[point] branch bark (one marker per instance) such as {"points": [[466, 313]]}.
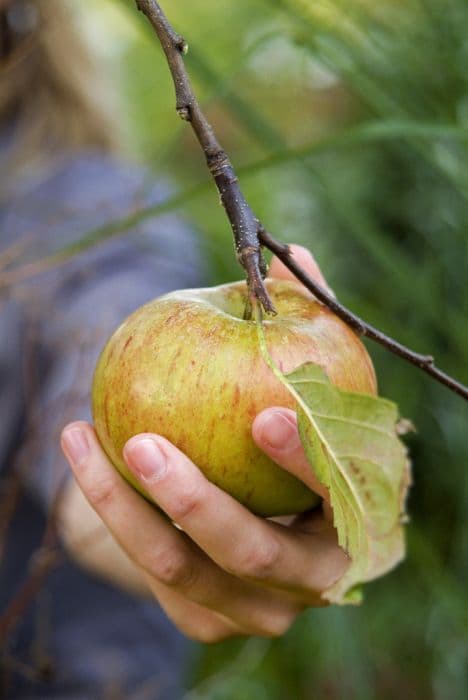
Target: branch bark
{"points": [[249, 233], [424, 362], [243, 221]]}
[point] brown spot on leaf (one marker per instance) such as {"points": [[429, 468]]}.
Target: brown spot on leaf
{"points": [[360, 477]]}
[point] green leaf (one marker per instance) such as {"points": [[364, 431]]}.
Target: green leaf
{"points": [[353, 447]]}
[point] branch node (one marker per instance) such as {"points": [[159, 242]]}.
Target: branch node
{"points": [[218, 164], [184, 113], [245, 253], [182, 46]]}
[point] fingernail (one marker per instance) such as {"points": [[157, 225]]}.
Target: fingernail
{"points": [[146, 459], [278, 432], [75, 444]]}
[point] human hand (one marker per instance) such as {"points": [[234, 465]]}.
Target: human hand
{"points": [[225, 572]]}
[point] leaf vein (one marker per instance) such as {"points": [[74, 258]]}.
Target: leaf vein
{"points": [[362, 424]]}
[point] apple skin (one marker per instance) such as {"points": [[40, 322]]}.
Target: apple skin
{"points": [[188, 367]]}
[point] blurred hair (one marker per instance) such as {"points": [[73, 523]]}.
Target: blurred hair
{"points": [[50, 95]]}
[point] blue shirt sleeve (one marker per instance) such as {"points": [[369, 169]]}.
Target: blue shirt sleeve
{"points": [[71, 310]]}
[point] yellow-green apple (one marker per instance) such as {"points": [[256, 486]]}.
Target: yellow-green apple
{"points": [[188, 366]]}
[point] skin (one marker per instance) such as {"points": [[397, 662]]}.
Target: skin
{"points": [[223, 571]]}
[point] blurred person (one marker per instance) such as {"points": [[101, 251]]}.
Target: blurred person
{"points": [[96, 626]]}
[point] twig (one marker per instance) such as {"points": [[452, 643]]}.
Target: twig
{"points": [[243, 221], [45, 558], [10, 494], [249, 233], [424, 362]]}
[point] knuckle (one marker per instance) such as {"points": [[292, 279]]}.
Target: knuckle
{"points": [[187, 503], [101, 492], [172, 568], [260, 561]]}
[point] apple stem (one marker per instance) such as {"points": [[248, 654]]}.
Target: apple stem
{"points": [[248, 310], [249, 233]]}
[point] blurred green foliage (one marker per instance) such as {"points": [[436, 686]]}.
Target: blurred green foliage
{"points": [[349, 123]]}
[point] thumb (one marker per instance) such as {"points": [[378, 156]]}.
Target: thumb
{"points": [[275, 432]]}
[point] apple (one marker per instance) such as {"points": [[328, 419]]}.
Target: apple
{"points": [[188, 366]]}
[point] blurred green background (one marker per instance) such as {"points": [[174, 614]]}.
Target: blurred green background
{"points": [[348, 122]]}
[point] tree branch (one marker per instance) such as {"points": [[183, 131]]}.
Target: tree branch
{"points": [[243, 221], [249, 233], [424, 362]]}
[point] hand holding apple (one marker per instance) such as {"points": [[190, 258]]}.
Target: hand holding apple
{"points": [[189, 367], [229, 572]]}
